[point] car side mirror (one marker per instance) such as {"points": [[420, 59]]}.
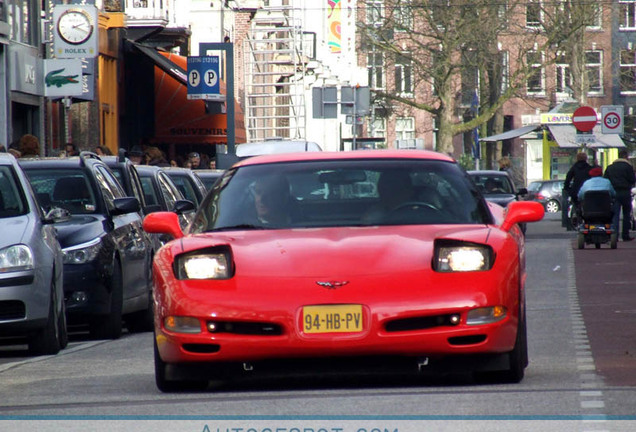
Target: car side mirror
{"points": [[125, 205], [522, 191], [183, 206]]}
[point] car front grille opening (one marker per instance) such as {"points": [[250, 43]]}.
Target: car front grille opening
{"points": [[201, 348], [467, 340], [244, 328], [421, 323], [12, 310]]}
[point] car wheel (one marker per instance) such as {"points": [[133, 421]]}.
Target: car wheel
{"points": [[46, 341], [552, 206], [109, 326], [141, 321], [580, 240], [167, 385]]}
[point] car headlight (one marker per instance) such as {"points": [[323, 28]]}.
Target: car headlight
{"points": [[82, 253], [16, 258], [212, 264], [462, 258]]}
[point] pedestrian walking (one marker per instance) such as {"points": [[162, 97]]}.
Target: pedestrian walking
{"points": [[621, 174], [574, 179]]}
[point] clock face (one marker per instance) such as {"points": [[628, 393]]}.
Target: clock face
{"points": [[74, 26]]}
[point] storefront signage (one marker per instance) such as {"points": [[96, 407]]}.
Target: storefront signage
{"points": [[203, 78], [62, 78], [75, 31], [556, 118]]}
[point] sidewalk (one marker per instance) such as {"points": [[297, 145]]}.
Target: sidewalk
{"points": [[606, 285]]}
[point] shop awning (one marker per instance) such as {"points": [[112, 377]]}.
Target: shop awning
{"points": [[168, 66], [514, 133], [179, 120], [565, 137]]}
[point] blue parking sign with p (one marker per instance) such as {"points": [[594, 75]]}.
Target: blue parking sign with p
{"points": [[203, 77]]}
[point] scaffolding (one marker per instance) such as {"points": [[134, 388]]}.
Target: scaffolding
{"points": [[275, 70]]}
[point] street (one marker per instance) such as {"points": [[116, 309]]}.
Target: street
{"points": [[582, 368]]}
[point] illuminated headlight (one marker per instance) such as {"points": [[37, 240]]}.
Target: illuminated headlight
{"points": [[463, 258], [16, 258], [182, 324], [486, 315], [204, 265], [82, 253]]}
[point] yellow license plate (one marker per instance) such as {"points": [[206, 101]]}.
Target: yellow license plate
{"points": [[332, 319]]}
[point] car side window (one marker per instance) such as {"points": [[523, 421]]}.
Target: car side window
{"points": [[135, 183], [109, 186], [168, 193]]}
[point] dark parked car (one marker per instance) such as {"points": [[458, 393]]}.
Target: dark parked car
{"points": [[209, 176], [496, 186], [548, 192], [107, 254], [188, 183], [127, 175], [31, 275], [161, 193]]}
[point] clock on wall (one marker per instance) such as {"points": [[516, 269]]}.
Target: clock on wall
{"points": [[75, 26]]}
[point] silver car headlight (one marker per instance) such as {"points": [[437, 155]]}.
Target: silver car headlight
{"points": [[462, 257], [16, 258], [210, 264], [82, 253]]}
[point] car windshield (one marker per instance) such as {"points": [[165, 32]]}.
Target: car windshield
{"points": [[11, 199], [331, 193], [65, 188], [492, 184]]}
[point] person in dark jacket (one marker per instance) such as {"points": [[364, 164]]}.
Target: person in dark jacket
{"points": [[576, 176], [621, 174]]}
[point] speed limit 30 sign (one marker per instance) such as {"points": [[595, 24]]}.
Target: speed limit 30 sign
{"points": [[612, 119]]}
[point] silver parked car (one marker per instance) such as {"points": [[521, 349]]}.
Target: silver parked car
{"points": [[31, 263]]}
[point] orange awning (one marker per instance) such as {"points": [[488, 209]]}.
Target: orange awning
{"points": [[182, 121]]}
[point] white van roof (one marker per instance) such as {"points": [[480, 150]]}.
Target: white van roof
{"points": [[274, 147]]}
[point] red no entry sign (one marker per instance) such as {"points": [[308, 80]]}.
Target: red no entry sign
{"points": [[584, 119]]}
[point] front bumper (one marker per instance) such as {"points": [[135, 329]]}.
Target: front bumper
{"points": [[86, 289], [24, 302]]}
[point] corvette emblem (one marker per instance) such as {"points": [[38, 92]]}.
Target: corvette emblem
{"points": [[332, 284]]}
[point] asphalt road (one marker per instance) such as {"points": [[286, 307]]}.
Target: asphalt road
{"points": [[581, 374]]}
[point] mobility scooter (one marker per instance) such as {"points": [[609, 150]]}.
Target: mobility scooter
{"points": [[596, 225]]}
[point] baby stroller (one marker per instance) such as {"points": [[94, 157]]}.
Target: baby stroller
{"points": [[596, 227]]}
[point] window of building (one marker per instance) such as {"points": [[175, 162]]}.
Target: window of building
{"points": [[403, 16], [377, 127], [594, 69], [404, 75], [375, 12], [535, 83], [628, 71], [375, 70], [533, 13], [597, 18], [404, 128], [563, 76], [23, 20], [627, 15], [505, 70]]}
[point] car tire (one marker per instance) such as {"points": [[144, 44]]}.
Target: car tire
{"points": [[109, 326], [580, 238], [46, 341], [141, 321], [165, 385], [552, 206]]}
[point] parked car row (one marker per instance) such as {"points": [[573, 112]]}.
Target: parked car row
{"points": [[73, 248]]}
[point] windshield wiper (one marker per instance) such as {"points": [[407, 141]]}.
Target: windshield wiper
{"points": [[239, 227]]}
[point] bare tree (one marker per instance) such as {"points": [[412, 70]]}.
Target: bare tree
{"points": [[459, 47]]}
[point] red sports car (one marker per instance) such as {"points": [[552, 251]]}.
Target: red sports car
{"points": [[364, 258]]}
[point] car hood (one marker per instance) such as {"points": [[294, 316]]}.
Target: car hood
{"points": [[80, 229], [333, 251], [13, 230]]}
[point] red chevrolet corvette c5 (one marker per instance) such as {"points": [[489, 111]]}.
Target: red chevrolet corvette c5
{"points": [[368, 258]]}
